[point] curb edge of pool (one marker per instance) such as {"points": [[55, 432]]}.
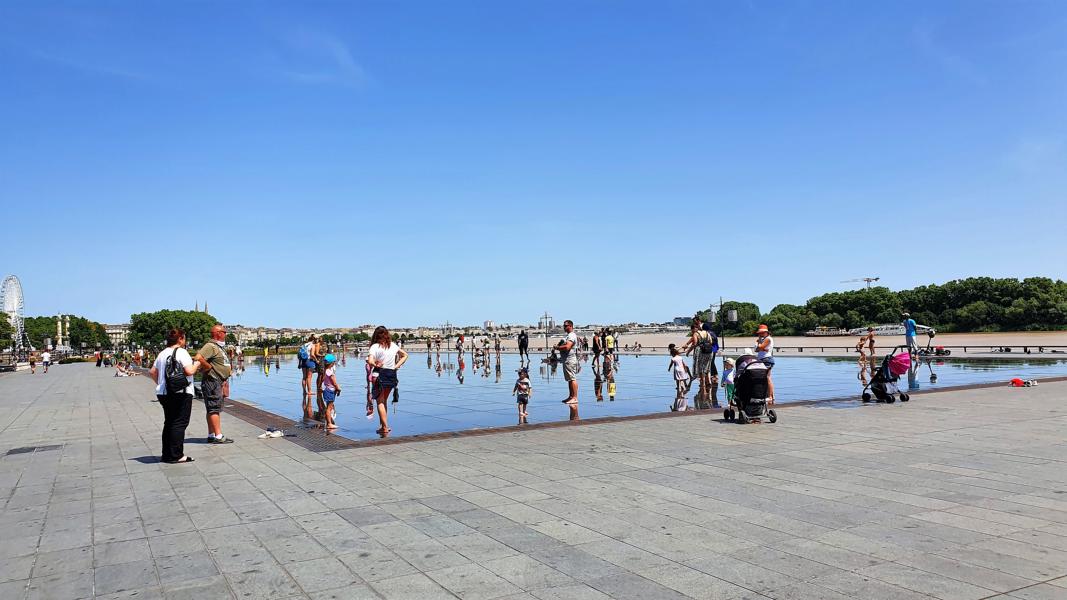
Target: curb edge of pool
{"points": [[317, 440]]}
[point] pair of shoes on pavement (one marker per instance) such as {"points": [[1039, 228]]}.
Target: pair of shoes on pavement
{"points": [[219, 440], [271, 433]]}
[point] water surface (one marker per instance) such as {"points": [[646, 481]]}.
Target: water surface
{"points": [[444, 393]]}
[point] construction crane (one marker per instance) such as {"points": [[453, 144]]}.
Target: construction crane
{"points": [[868, 280]]}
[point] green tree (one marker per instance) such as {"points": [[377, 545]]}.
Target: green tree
{"points": [[7, 331], [39, 329], [231, 338], [90, 333], [93, 334], [150, 329], [746, 312]]}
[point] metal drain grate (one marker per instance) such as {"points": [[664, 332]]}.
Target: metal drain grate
{"points": [[29, 449]]}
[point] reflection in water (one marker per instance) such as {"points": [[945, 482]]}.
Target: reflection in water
{"points": [[866, 370], [913, 376], [432, 403], [930, 368], [574, 412]]}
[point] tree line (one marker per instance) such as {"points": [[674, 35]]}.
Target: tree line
{"points": [[964, 305], [82, 331]]}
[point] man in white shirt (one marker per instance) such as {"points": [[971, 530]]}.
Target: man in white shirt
{"points": [[568, 355], [46, 358]]}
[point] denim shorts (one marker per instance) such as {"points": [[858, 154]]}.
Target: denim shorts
{"points": [[328, 395], [385, 380]]}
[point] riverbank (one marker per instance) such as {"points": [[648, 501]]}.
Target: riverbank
{"points": [[1049, 344]]}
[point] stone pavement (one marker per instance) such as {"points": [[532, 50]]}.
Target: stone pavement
{"points": [[956, 495]]}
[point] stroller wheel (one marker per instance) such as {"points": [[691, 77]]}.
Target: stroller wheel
{"points": [[728, 415], [772, 416], [866, 396], [904, 397], [890, 399]]}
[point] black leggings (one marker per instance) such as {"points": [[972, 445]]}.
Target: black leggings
{"points": [[176, 409]]}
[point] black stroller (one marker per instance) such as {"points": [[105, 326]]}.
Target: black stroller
{"points": [[884, 380], [750, 392]]}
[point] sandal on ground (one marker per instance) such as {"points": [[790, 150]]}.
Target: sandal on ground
{"points": [[184, 459]]}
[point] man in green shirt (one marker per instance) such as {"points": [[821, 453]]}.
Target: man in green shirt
{"points": [[216, 370]]}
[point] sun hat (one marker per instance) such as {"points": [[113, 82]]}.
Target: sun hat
{"points": [[762, 328], [330, 359]]}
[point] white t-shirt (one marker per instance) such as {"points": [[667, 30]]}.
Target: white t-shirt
{"points": [[183, 359], [761, 354], [46, 357], [572, 354], [385, 356], [679, 368]]}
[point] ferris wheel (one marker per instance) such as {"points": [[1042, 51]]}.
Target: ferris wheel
{"points": [[11, 299]]}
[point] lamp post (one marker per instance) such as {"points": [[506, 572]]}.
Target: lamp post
{"points": [[447, 330], [721, 318]]}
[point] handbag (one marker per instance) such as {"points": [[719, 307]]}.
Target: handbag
{"points": [[174, 374]]}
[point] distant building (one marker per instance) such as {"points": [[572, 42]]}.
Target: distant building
{"points": [[681, 320], [487, 325], [546, 322], [118, 334]]}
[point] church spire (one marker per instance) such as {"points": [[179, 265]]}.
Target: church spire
{"points": [[197, 307]]}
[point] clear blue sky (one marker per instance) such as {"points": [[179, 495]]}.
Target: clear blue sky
{"points": [[338, 163]]}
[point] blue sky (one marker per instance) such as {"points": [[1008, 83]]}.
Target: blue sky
{"points": [[339, 163]]}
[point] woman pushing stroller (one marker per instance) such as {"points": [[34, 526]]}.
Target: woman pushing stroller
{"points": [[765, 353]]}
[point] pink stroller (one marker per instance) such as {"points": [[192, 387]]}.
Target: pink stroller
{"points": [[884, 381]]}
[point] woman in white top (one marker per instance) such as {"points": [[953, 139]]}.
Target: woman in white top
{"points": [[765, 352], [177, 404], [385, 358]]}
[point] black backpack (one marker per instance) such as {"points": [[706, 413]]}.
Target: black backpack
{"points": [[708, 344], [174, 375]]}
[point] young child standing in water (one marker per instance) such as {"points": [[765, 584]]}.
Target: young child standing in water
{"points": [[681, 379], [522, 392], [330, 390]]}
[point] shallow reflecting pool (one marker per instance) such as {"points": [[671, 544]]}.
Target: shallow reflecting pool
{"points": [[446, 393]]}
